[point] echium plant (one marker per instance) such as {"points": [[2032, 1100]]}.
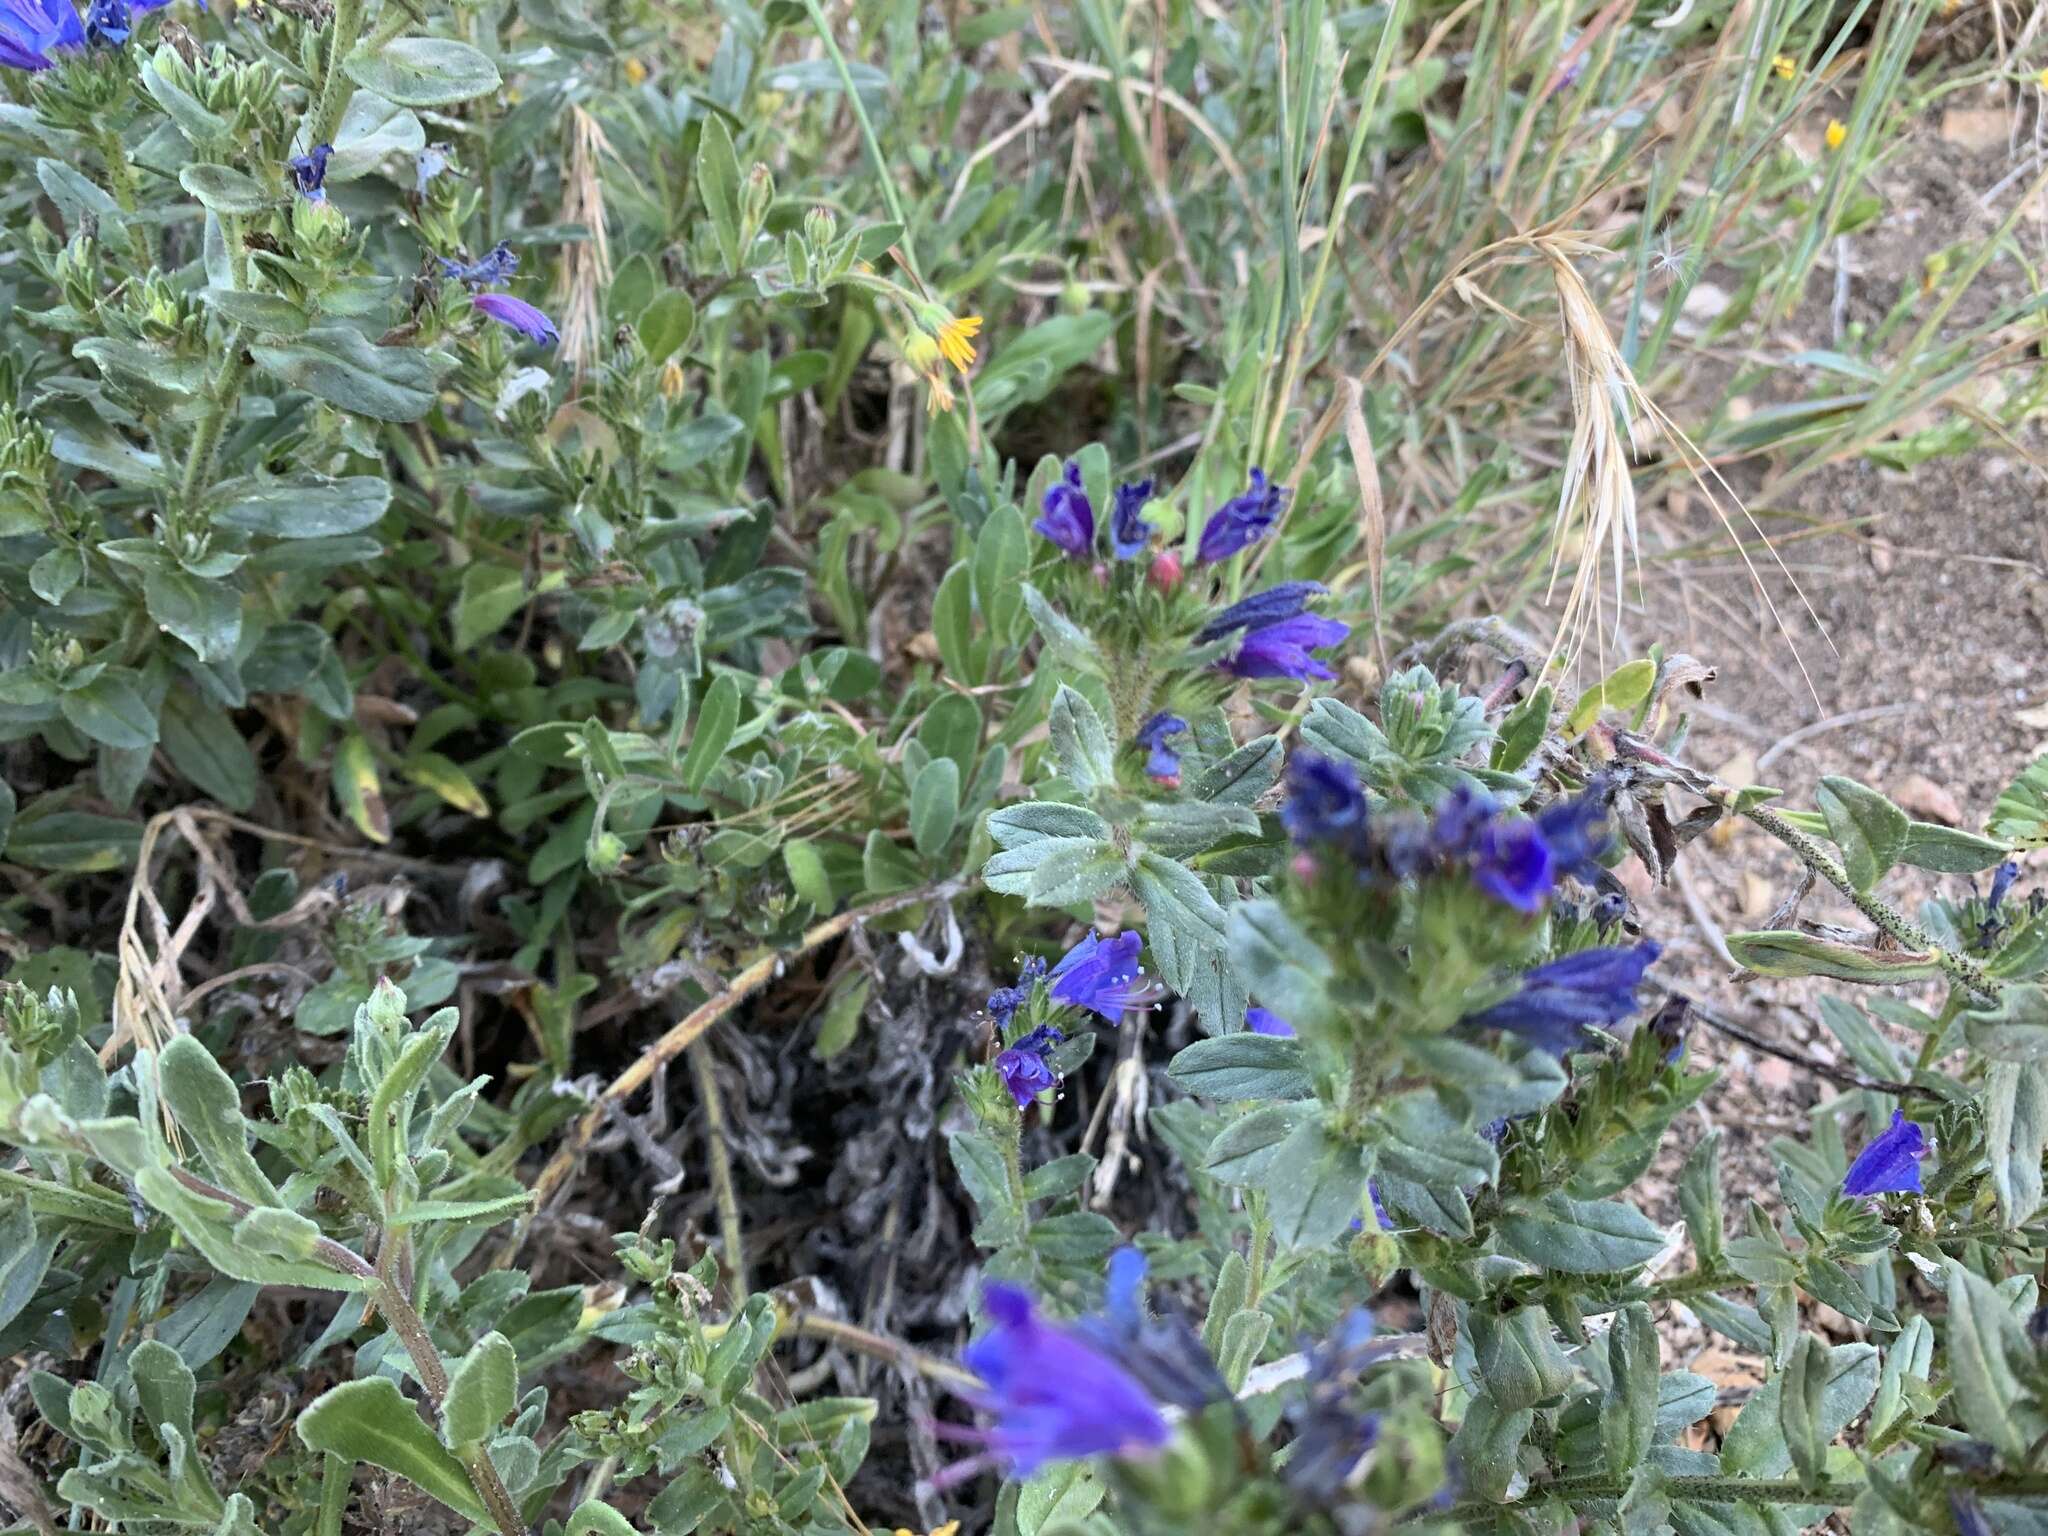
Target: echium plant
{"points": [[1458, 1063]]}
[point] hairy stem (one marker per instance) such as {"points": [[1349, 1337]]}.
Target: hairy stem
{"points": [[227, 388], [699, 1057], [867, 130], [342, 33]]}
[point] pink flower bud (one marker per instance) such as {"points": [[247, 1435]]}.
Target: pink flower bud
{"points": [[1164, 572]]}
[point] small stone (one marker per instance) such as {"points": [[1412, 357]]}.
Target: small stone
{"points": [[1881, 557], [1977, 127], [1920, 797]]}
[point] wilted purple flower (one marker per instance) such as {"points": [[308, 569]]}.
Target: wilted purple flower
{"points": [[1330, 1436], [497, 265], [1262, 1021], [1054, 1395], [1164, 1354], [309, 172], [1162, 762], [108, 23], [1325, 803], [1267, 607], [1282, 649], [1004, 1002], [1104, 977], [1244, 519], [1128, 532], [1023, 1067], [1069, 519], [1891, 1163], [1557, 1001], [31, 30], [519, 315]]}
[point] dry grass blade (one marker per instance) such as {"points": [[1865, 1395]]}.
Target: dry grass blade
{"points": [[586, 266], [1372, 511]]}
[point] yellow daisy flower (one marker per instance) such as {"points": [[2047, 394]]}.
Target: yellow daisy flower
{"points": [[956, 340], [1836, 133], [923, 354], [1784, 66]]}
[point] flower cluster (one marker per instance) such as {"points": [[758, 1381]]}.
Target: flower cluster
{"points": [[1162, 762], [515, 314], [1276, 633], [1099, 976], [1556, 1003], [32, 32], [1520, 860]]}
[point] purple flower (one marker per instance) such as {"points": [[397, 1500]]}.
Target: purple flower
{"points": [[1282, 649], [1023, 1067], [2002, 879], [1557, 1001], [519, 315], [1576, 831], [1968, 1513], [309, 172], [1670, 1024], [30, 30], [1891, 1163], [1164, 1355], [1330, 1436], [1513, 864], [1261, 608], [1004, 1002], [1069, 520], [1128, 532], [1324, 801], [497, 266], [1104, 977], [108, 23], [1262, 1021], [1379, 1209], [1244, 519], [1054, 1395], [1163, 762], [1460, 818]]}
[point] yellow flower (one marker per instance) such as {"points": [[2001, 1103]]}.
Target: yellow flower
{"points": [[1836, 133], [950, 1528], [956, 340], [2042, 79], [1784, 66], [636, 73], [672, 380]]}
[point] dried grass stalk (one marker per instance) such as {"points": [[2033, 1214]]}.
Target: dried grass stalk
{"points": [[586, 270]]}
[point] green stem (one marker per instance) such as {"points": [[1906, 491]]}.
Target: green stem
{"points": [[341, 41], [1888, 919], [1262, 1232], [226, 389], [867, 131], [336, 1475], [730, 1231], [121, 174]]}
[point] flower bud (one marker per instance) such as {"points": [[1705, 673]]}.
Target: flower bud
{"points": [[921, 352], [820, 229], [671, 380], [1164, 572]]}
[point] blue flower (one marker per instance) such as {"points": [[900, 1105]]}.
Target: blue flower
{"points": [[2002, 879], [1576, 831], [1128, 532], [1069, 519], [1282, 649], [1330, 1436], [1162, 762], [426, 165], [108, 23], [1261, 1021], [1559, 1000], [1105, 977], [1261, 608], [1244, 519], [1164, 1354], [1325, 803], [1004, 1002], [31, 30], [1023, 1067], [1379, 1209], [1053, 1393], [309, 172], [519, 315], [1891, 1163], [497, 266], [1460, 817], [1670, 1024], [1512, 863]]}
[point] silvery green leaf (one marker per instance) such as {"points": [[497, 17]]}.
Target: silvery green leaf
{"points": [[1018, 826], [1422, 1141], [1080, 743], [1279, 962], [1628, 1410], [1067, 873], [1949, 850], [2015, 1099], [1790, 953], [2015, 1029], [1245, 1150], [303, 506], [1315, 1186], [1488, 1445], [1243, 776], [1985, 1349], [372, 131], [424, 72], [223, 189], [483, 1388], [1518, 1356], [1800, 1391], [370, 1421], [342, 367], [1014, 871], [1580, 1237], [1868, 828], [1242, 1065], [1180, 829], [1493, 1088], [1755, 1446], [1065, 643], [270, 314]]}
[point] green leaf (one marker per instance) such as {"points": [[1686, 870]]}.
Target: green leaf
{"points": [[1929, 845], [2015, 1099], [1488, 1445], [1985, 1345], [1242, 1066], [1756, 1446], [206, 615], [807, 874], [2020, 816], [212, 1227], [592, 1518], [342, 367], [270, 313], [1314, 1186], [979, 1163], [74, 841], [1035, 821], [208, 1108], [1800, 1408], [1868, 828], [1002, 554], [718, 183], [390, 1113], [1580, 1237], [226, 190], [1066, 644], [1518, 1356], [1066, 873], [372, 131], [1422, 1141], [111, 711], [482, 1391], [1180, 829], [1176, 900], [717, 717], [1244, 1152], [1075, 1237], [488, 596], [424, 72], [2015, 1028], [369, 1421], [667, 324], [307, 506], [1622, 689], [1784, 952], [164, 1386], [24, 1259], [1080, 743], [934, 806]]}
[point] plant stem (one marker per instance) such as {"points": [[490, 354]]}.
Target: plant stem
{"points": [[699, 1056], [867, 131], [122, 175], [341, 41], [336, 1475], [227, 386], [1262, 1233]]}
